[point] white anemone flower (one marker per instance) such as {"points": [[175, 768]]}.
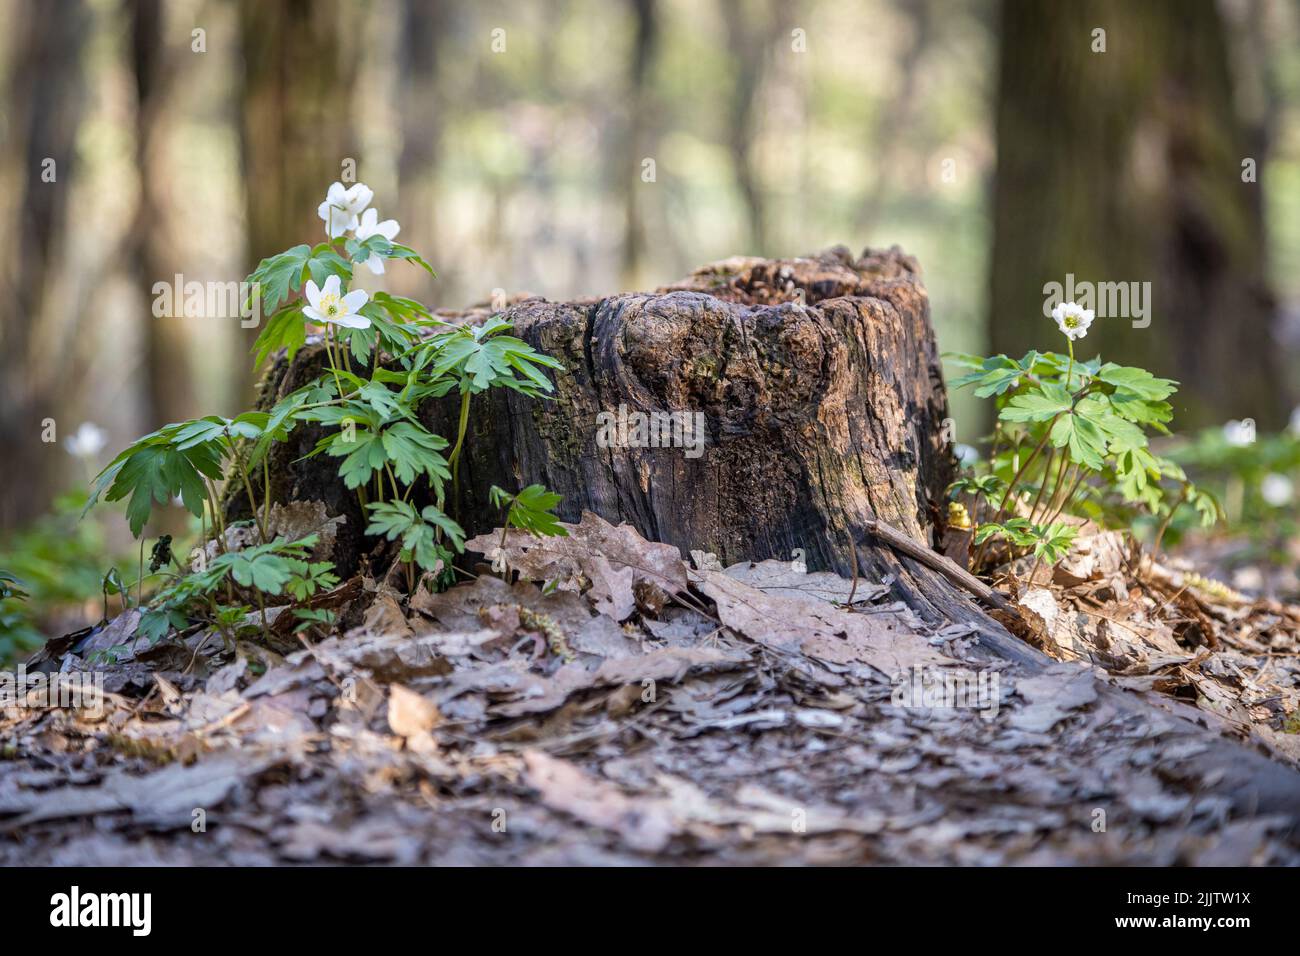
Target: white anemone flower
{"points": [[1072, 319], [343, 206], [329, 306], [87, 441], [1239, 434], [1276, 489], [370, 227]]}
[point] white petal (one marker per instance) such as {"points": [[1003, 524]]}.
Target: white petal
{"points": [[375, 264], [337, 194], [368, 219], [355, 299], [353, 322], [313, 292], [388, 229], [359, 197], [331, 285], [312, 314]]}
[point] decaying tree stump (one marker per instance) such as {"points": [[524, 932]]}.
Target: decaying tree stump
{"points": [[819, 385]]}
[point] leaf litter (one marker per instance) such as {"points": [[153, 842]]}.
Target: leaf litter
{"points": [[612, 703]]}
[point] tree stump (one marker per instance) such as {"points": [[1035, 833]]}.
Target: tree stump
{"points": [[822, 399]]}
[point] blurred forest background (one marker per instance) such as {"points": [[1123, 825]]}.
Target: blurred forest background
{"points": [[990, 138]]}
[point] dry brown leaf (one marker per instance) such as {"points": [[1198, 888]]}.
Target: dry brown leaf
{"points": [[646, 824], [783, 579], [610, 559], [807, 625], [411, 714]]}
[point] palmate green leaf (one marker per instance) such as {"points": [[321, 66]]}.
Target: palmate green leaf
{"points": [[530, 510], [287, 330], [1136, 470], [994, 376], [1205, 505], [362, 458], [265, 567], [156, 473], [399, 519], [999, 374], [1037, 405], [394, 326], [985, 485], [454, 532], [1141, 411], [965, 360], [400, 251], [480, 357], [413, 450], [1086, 442], [1052, 542], [1137, 381], [324, 262], [308, 577], [1018, 531], [279, 275]]}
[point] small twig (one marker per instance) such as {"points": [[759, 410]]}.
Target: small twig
{"points": [[940, 563]]}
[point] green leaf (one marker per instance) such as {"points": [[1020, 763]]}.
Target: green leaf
{"points": [[278, 275], [1137, 381], [1038, 405], [530, 510]]}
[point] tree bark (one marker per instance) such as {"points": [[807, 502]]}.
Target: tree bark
{"points": [[821, 391]]}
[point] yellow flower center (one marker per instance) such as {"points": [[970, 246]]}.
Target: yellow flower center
{"points": [[330, 305], [1071, 321]]}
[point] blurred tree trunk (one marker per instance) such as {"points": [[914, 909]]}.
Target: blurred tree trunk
{"points": [[300, 59], [637, 144], [45, 96], [169, 396], [1126, 166], [752, 29], [424, 22]]}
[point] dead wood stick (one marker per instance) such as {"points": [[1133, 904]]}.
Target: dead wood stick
{"points": [[938, 562]]}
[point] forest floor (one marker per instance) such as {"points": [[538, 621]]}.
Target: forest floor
{"points": [[654, 711]]}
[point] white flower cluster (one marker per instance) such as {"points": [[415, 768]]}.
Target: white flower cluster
{"points": [[347, 210]]}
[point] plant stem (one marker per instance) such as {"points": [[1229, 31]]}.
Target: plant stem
{"points": [[454, 458], [266, 489], [1038, 560], [1012, 487], [1060, 476], [1069, 496], [218, 523], [1164, 525], [242, 467], [1042, 485], [329, 352]]}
